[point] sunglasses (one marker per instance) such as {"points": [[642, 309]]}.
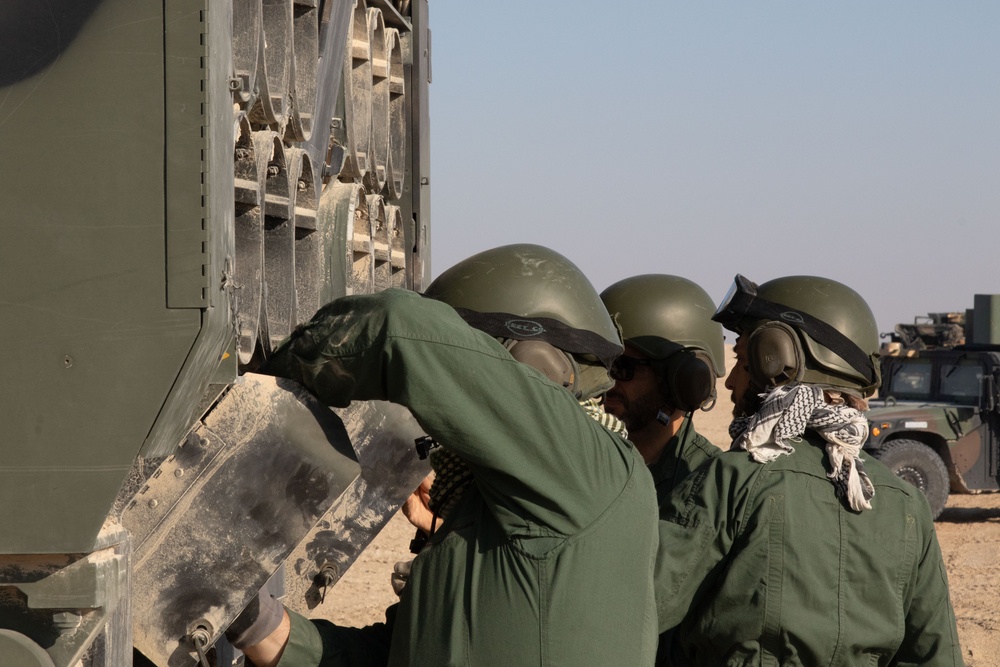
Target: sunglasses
{"points": [[623, 368]]}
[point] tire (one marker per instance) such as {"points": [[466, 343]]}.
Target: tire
{"points": [[919, 465]]}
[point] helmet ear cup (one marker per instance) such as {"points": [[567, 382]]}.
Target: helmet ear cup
{"points": [[774, 355], [689, 380], [552, 362]]}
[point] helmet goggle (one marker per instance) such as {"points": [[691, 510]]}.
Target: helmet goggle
{"points": [[736, 306], [742, 306]]}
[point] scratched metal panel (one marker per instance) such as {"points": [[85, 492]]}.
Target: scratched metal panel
{"points": [[221, 514], [383, 435]]}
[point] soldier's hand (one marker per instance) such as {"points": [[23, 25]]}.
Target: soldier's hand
{"points": [[255, 623], [401, 575], [417, 507]]}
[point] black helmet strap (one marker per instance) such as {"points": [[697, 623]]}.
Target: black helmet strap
{"points": [[820, 331], [547, 329]]}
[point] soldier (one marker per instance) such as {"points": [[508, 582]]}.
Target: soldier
{"points": [[794, 547], [551, 540], [673, 356]]}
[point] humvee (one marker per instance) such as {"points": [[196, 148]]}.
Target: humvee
{"points": [[937, 421]]}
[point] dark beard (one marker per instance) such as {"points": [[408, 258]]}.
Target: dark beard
{"points": [[748, 404], [639, 414]]}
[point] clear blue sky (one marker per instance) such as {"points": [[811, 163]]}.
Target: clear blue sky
{"points": [[858, 140]]}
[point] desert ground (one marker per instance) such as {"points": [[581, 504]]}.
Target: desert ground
{"points": [[968, 530]]}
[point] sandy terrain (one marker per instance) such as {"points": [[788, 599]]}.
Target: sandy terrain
{"points": [[968, 529]]}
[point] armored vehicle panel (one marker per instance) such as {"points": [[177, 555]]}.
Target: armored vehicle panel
{"points": [[184, 182]]}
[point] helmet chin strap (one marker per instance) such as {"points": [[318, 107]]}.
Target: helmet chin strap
{"points": [[662, 417]]}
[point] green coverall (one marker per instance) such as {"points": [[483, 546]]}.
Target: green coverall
{"points": [[687, 451], [548, 558], [764, 565], [684, 453]]}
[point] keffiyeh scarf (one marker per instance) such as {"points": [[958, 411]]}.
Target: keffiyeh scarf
{"points": [[452, 475], [787, 412]]}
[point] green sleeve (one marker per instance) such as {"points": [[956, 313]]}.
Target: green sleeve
{"points": [[930, 636], [319, 643], [697, 528], [541, 464]]}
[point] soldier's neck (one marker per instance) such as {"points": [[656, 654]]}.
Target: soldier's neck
{"points": [[652, 439]]}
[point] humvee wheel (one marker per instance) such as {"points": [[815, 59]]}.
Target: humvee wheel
{"points": [[919, 465]]}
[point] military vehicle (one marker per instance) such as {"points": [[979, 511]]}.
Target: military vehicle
{"points": [[183, 181], [929, 332], [937, 423]]}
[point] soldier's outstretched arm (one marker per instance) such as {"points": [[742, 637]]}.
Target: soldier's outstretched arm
{"points": [[530, 445]]}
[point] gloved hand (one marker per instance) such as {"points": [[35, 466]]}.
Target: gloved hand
{"points": [[400, 575], [260, 618]]}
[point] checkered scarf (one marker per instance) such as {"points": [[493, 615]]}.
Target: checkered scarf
{"points": [[452, 475], [787, 412]]}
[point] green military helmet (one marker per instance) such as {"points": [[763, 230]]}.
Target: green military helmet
{"points": [[658, 314], [837, 338], [531, 294]]}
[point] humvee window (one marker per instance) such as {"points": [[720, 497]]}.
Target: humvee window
{"points": [[960, 383], [910, 381]]}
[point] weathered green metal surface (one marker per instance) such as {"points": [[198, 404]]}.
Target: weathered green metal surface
{"points": [[82, 264], [986, 321], [199, 145], [120, 122]]}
